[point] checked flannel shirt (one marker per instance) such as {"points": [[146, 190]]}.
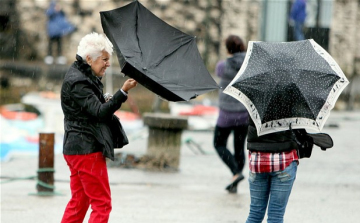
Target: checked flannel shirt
{"points": [[264, 162]]}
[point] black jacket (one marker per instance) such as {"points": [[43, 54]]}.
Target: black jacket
{"points": [[273, 142], [90, 124]]}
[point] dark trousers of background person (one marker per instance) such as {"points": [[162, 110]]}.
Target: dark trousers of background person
{"points": [[235, 161], [55, 40]]}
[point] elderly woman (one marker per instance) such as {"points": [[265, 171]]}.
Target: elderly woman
{"points": [[92, 131]]}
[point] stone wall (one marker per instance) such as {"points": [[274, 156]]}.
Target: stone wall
{"points": [[345, 37], [209, 20], [241, 17]]}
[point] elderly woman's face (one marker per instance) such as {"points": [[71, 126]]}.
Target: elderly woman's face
{"points": [[99, 65]]}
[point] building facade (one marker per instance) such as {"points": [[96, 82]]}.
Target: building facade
{"points": [[332, 23]]}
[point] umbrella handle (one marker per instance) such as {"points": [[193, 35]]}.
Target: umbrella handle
{"points": [[305, 143]]}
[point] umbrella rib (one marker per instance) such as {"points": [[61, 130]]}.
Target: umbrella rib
{"points": [[319, 72], [137, 35], [302, 90], [202, 87], [305, 99], [262, 49], [269, 92], [173, 51], [272, 91]]}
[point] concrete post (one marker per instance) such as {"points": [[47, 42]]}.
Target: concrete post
{"points": [[164, 140]]}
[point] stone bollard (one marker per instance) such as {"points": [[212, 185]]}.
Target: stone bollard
{"points": [[164, 141]]}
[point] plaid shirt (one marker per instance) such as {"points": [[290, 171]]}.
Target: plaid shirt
{"points": [[263, 162]]}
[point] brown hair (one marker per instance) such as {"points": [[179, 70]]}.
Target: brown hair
{"points": [[234, 44]]}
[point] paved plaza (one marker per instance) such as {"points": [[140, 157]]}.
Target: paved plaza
{"points": [[327, 188]]}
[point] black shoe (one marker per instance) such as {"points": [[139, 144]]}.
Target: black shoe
{"points": [[232, 188]]}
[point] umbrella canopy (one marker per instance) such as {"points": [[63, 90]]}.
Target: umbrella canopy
{"points": [[287, 83], [157, 55]]}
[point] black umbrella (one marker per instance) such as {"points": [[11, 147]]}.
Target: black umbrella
{"points": [[157, 55], [289, 82]]}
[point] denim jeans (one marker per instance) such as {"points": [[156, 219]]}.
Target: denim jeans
{"points": [[270, 190]]}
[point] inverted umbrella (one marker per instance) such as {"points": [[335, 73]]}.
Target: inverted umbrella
{"points": [[157, 55], [287, 83]]}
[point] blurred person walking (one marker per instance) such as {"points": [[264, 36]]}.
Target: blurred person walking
{"points": [[233, 116], [57, 27], [92, 131], [298, 16]]}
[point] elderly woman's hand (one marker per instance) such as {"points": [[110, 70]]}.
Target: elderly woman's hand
{"points": [[129, 84]]}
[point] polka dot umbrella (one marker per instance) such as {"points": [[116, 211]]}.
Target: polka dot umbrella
{"points": [[283, 83]]}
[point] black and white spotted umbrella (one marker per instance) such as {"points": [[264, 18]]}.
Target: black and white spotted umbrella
{"points": [[288, 82]]}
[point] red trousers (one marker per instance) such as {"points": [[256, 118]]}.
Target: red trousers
{"points": [[89, 184]]}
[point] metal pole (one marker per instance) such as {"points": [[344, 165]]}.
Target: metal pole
{"points": [[109, 79], [45, 184], [318, 11]]}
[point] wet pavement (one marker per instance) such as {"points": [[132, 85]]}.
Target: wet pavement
{"points": [[327, 188]]}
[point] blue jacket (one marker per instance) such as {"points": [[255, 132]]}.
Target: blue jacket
{"points": [[57, 25], [298, 11]]}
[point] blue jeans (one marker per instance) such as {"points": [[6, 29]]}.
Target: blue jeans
{"points": [[270, 190]]}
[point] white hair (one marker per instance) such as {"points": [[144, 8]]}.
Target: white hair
{"points": [[93, 44]]}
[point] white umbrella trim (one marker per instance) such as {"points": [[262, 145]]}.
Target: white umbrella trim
{"points": [[337, 88], [297, 122]]}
